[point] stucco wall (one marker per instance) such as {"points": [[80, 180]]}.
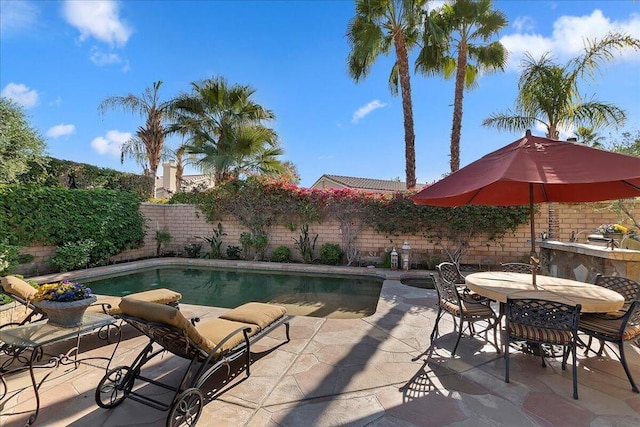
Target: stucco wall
{"points": [[187, 224]]}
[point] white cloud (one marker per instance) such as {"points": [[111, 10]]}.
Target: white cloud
{"points": [[564, 132], [60, 130], [111, 143], [523, 23], [98, 19], [364, 111], [17, 16], [569, 36], [101, 58], [20, 94]]}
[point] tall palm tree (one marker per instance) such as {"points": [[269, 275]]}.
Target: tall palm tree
{"points": [[467, 51], [377, 27], [548, 93], [224, 129], [147, 146]]}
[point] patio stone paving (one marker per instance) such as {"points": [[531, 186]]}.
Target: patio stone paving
{"points": [[351, 372]]}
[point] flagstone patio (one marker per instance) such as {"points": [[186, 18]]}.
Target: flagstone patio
{"points": [[352, 372]]}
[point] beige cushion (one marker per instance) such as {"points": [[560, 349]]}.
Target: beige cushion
{"points": [[107, 300], [161, 313], [215, 330], [18, 287], [256, 313], [159, 296]]}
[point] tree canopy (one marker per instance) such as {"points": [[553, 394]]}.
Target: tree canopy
{"points": [[20, 143]]}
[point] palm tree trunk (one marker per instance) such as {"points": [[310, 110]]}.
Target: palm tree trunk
{"points": [[402, 57], [456, 126]]}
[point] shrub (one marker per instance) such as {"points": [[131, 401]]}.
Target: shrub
{"points": [[9, 257], [215, 242], [281, 254], [331, 254], [193, 250], [305, 245], [162, 238], [233, 252], [73, 255]]}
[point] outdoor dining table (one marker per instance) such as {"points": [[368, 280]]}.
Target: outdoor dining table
{"points": [[498, 285]]}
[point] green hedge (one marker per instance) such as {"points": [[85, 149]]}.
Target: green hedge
{"points": [[31, 215]]}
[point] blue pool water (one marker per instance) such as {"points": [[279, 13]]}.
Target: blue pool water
{"points": [[314, 295]]}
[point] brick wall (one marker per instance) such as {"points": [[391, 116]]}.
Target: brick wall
{"points": [[187, 224]]}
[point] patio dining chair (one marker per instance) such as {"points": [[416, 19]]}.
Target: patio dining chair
{"points": [[628, 288], [543, 322], [463, 309], [616, 328]]}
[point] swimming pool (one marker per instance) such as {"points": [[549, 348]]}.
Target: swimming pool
{"points": [[306, 294]]}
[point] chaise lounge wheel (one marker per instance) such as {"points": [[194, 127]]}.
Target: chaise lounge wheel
{"points": [[114, 387], [186, 409]]}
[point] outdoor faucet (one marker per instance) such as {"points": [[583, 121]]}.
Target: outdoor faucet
{"points": [[574, 235]]}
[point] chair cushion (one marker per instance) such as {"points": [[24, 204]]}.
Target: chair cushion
{"points": [[532, 333], [159, 296], [215, 330], [256, 313], [15, 286], [607, 326], [160, 313], [106, 299]]}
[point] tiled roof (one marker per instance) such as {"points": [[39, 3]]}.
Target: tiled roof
{"points": [[365, 183]]}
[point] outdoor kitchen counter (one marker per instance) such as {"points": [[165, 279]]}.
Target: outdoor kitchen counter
{"points": [[579, 261]]}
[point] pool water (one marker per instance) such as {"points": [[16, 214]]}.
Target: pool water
{"points": [[315, 295]]}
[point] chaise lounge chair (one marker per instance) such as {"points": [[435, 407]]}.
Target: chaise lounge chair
{"points": [[208, 345]]}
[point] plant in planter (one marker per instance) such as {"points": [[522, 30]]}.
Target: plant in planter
{"points": [[64, 302]]}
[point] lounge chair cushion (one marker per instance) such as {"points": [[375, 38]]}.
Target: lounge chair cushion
{"points": [[256, 313], [215, 330], [206, 336], [18, 287], [159, 296]]}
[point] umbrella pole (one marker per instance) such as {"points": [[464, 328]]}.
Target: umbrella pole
{"points": [[533, 256]]}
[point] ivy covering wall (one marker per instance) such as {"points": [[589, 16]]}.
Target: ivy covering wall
{"points": [[31, 215]]}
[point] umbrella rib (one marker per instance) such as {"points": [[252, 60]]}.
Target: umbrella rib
{"points": [[631, 185], [469, 202]]}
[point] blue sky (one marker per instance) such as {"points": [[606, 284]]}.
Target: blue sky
{"points": [[60, 59]]}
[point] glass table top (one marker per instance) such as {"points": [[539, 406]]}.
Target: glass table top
{"points": [[40, 333]]}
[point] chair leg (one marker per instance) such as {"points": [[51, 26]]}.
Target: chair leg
{"points": [[573, 349], [506, 357], [459, 336], [623, 360], [434, 332]]}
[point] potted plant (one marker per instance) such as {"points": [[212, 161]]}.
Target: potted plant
{"points": [[64, 302]]}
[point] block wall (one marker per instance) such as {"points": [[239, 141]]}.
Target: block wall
{"points": [[187, 224]]}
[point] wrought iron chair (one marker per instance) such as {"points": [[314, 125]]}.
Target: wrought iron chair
{"points": [[462, 309], [628, 288], [616, 328], [450, 272], [516, 267], [543, 322]]}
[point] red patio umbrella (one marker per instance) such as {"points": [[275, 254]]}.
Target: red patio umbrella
{"points": [[533, 170]]}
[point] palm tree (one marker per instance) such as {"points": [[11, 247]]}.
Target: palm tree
{"points": [[224, 129], [377, 27], [147, 146], [548, 93], [464, 22]]}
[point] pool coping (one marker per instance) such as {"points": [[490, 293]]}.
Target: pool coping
{"points": [[97, 272]]}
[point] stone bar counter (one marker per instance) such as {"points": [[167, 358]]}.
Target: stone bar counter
{"points": [[582, 261]]}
